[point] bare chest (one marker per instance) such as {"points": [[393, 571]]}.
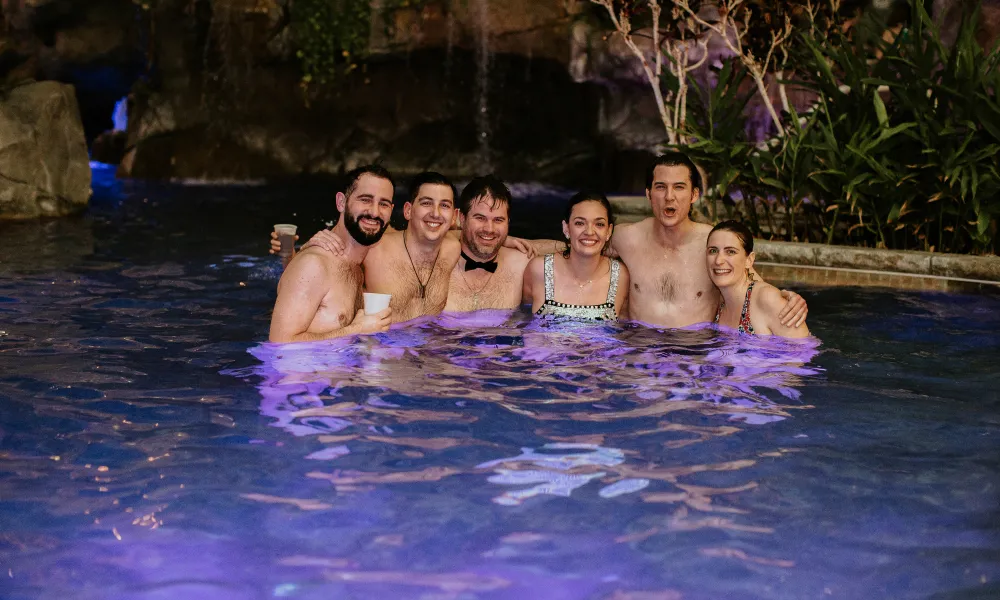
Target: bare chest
{"points": [[341, 303], [477, 290], [417, 290], [670, 288]]}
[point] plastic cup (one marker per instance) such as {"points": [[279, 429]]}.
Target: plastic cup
{"points": [[376, 303], [286, 236]]}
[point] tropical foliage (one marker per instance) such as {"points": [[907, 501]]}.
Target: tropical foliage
{"points": [[901, 149], [332, 36]]}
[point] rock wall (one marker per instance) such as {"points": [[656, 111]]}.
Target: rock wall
{"points": [[408, 112], [44, 166]]}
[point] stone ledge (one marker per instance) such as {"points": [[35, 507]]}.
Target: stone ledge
{"points": [[792, 275], [904, 262]]}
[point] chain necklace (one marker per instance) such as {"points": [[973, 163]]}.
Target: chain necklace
{"points": [[591, 280], [475, 293], [423, 285]]}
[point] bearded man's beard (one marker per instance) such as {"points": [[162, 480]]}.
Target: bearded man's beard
{"points": [[483, 250], [353, 224]]}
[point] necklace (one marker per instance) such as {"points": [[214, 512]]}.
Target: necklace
{"points": [[591, 280], [475, 292], [422, 284]]}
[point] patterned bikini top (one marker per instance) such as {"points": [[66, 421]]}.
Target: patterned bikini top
{"points": [[745, 326], [593, 312]]}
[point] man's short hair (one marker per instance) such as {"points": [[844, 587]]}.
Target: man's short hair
{"points": [[486, 185], [375, 170], [675, 159], [429, 178]]}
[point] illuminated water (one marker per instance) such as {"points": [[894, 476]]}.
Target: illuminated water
{"points": [[151, 447]]}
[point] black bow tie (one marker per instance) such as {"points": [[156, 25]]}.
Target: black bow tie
{"points": [[489, 266]]}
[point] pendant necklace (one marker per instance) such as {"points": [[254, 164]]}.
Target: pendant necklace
{"points": [[589, 281], [423, 285]]}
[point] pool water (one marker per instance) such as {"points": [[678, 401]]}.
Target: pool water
{"points": [[152, 446]]}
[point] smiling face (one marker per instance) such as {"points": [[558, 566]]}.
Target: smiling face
{"points": [[432, 212], [672, 194], [588, 229], [726, 259], [484, 228], [367, 211]]}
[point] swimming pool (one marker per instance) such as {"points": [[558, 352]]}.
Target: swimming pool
{"points": [[152, 447]]}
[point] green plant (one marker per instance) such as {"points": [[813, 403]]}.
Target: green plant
{"points": [[717, 132], [333, 36], [906, 143]]}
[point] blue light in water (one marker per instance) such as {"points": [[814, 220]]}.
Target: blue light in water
{"points": [[120, 116]]}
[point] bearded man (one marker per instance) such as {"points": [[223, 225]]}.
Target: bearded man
{"points": [[319, 294]]}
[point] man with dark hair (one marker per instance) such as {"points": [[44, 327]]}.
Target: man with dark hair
{"points": [[319, 294], [665, 253], [488, 275], [413, 265]]}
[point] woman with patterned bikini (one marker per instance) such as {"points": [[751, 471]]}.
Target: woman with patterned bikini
{"points": [[749, 304], [581, 283]]}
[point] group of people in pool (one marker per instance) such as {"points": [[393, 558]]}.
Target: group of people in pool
{"points": [[665, 271]]}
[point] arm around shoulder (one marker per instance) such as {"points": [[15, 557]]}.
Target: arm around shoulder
{"points": [[771, 302]]}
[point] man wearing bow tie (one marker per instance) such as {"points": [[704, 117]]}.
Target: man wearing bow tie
{"points": [[473, 270], [487, 275]]}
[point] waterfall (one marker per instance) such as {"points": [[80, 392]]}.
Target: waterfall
{"points": [[482, 107], [119, 118]]}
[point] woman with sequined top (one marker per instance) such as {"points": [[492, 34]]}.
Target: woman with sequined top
{"points": [[581, 284], [749, 304]]}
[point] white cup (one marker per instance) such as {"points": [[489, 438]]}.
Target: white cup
{"points": [[376, 303]]}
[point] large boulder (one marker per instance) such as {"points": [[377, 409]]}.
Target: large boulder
{"points": [[44, 166]]}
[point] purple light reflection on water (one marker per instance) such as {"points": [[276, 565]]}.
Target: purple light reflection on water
{"points": [[431, 409], [145, 454]]}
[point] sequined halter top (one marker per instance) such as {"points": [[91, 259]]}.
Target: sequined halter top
{"points": [[593, 312]]}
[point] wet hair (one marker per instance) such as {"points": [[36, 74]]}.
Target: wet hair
{"points": [[486, 185], [375, 170], [429, 178], [742, 232], [675, 159], [588, 196]]}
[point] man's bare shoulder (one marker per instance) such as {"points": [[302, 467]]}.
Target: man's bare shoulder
{"points": [[390, 244], [451, 248], [513, 259], [701, 231], [315, 259], [632, 233]]}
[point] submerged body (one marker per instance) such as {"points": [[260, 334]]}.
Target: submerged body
{"points": [[749, 305], [419, 285], [670, 286], [583, 308]]}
